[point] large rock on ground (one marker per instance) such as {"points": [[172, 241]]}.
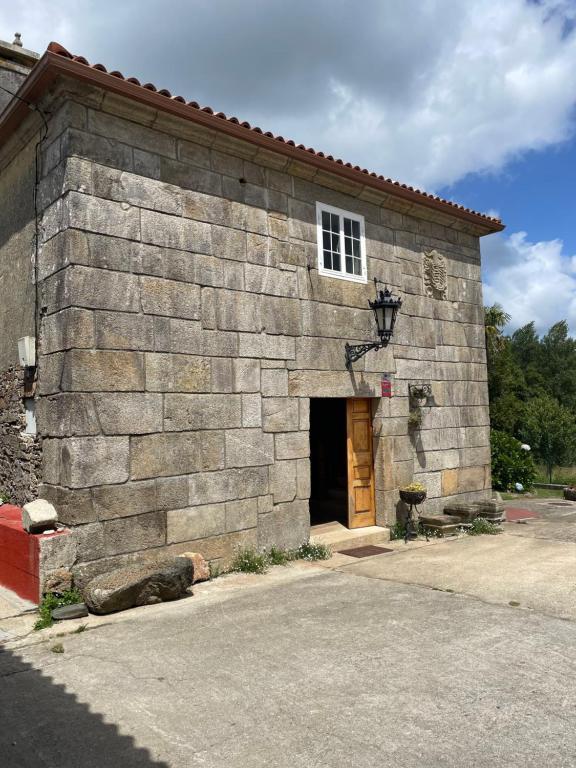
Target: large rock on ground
{"points": [[201, 567], [139, 585]]}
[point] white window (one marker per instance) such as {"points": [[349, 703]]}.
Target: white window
{"points": [[341, 243]]}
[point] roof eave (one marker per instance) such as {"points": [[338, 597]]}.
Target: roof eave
{"points": [[52, 65]]}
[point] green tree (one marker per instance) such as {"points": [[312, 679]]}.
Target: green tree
{"points": [[510, 462], [506, 383], [558, 364], [550, 429]]}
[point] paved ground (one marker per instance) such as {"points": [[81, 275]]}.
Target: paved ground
{"points": [[318, 667]]}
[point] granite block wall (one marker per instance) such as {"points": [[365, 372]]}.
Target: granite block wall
{"points": [[185, 328]]}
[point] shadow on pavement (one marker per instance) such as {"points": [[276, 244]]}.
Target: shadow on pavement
{"points": [[44, 726]]}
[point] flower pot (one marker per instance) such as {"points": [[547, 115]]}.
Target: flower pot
{"points": [[412, 497]]}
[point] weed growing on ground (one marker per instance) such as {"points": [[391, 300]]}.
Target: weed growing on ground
{"points": [[80, 629], [480, 526], [397, 531], [252, 561], [50, 601], [278, 556], [215, 570], [312, 551], [58, 648]]}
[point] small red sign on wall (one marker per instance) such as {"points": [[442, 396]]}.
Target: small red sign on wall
{"points": [[386, 385]]}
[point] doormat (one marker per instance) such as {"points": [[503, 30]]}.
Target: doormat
{"points": [[367, 551], [515, 514]]}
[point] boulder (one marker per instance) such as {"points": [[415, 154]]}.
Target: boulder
{"points": [[491, 510], [201, 568], [134, 585], [57, 582], [38, 516]]}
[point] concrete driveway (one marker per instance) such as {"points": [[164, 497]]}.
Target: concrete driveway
{"points": [[354, 663]]}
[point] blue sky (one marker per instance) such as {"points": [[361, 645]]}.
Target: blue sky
{"points": [[472, 99]]}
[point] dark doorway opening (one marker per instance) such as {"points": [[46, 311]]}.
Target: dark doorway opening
{"points": [[328, 461]]}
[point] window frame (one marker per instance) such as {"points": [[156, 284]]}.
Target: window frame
{"points": [[342, 214]]}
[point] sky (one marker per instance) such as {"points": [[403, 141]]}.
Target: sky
{"points": [[474, 100]]}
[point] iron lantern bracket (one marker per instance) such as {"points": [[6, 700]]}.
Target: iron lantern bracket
{"points": [[356, 351]]}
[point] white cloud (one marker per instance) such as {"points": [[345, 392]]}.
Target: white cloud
{"points": [[532, 281], [426, 91]]}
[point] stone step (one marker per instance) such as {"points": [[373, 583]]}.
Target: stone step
{"points": [[337, 536], [442, 525]]}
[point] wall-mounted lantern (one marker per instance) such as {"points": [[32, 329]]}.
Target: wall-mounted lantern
{"points": [[385, 308]]}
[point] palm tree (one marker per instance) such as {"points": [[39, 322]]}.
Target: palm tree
{"points": [[495, 319]]}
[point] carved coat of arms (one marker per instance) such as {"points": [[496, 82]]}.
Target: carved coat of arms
{"points": [[435, 275]]}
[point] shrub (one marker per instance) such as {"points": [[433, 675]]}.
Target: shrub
{"points": [[510, 463]]}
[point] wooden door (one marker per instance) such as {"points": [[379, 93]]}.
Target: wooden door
{"points": [[361, 504]]}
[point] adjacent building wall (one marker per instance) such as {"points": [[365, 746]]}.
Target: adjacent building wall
{"points": [[187, 327], [19, 453]]}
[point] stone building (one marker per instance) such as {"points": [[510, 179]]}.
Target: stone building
{"points": [[191, 283]]}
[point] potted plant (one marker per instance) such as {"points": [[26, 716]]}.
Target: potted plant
{"points": [[413, 494]]}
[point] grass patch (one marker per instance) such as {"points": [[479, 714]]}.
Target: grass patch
{"points": [[536, 493], [253, 561], [482, 526], [50, 601]]}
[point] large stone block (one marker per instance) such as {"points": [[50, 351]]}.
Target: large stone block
{"points": [[241, 514], [38, 516], [82, 462], [283, 480], [126, 500], [176, 453], [248, 448], [177, 373], [74, 506], [273, 282], [209, 208], [119, 330], [281, 316], [67, 329], [91, 288], [175, 232], [264, 346], [229, 243], [288, 525], [334, 384], [172, 492], [334, 321], [130, 413], [280, 414], [188, 337], [67, 415], [135, 189], [246, 375], [227, 485], [93, 214], [195, 522], [292, 445], [132, 534], [97, 371], [303, 479], [236, 311], [252, 410], [170, 298], [131, 133], [190, 412], [274, 382]]}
